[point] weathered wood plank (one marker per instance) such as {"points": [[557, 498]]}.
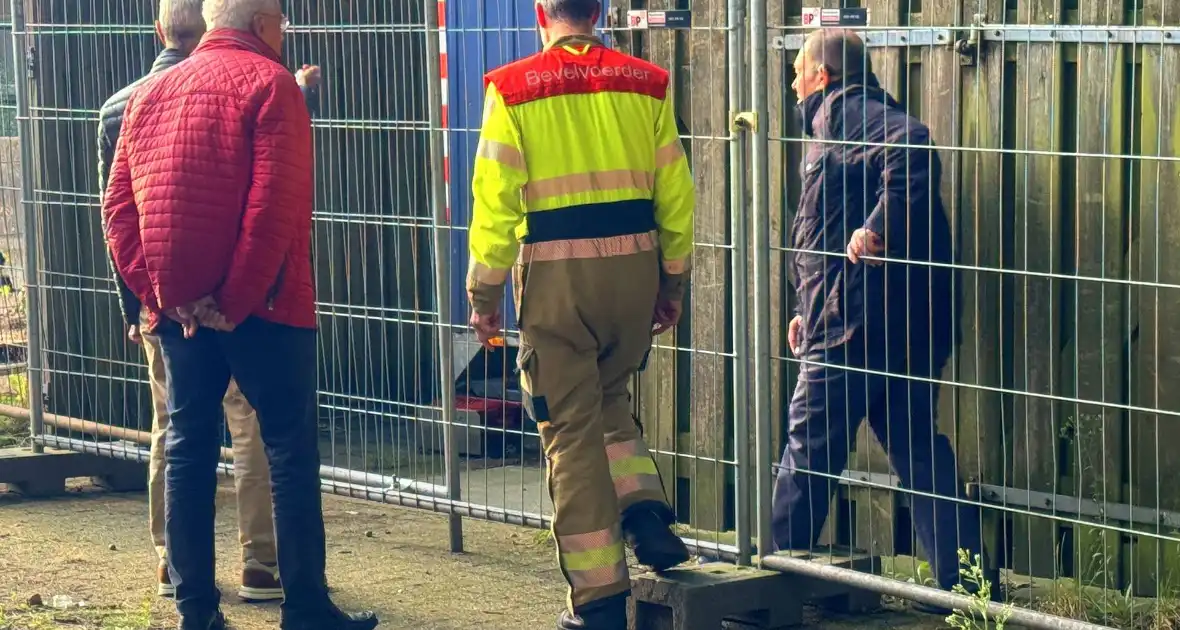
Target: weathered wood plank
{"points": [[984, 218], [1154, 460], [1038, 250], [1100, 332], [709, 400]]}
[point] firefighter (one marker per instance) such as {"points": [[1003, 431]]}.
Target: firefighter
{"points": [[583, 191]]}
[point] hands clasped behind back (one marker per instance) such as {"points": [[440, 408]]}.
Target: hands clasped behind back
{"points": [[203, 312]]}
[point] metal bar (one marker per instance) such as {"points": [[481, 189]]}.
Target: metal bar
{"points": [[493, 514], [29, 214], [740, 286], [927, 595], [888, 38], [894, 38], [133, 451], [1067, 505], [760, 237], [442, 267], [1080, 34]]}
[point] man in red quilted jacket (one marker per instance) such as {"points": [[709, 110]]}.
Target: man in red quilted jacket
{"points": [[208, 215]]}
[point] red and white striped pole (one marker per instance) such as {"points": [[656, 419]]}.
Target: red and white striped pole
{"points": [[444, 89]]}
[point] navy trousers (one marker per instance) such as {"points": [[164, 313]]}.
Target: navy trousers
{"points": [[275, 366], [836, 390]]}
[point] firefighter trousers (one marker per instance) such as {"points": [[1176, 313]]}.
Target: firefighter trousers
{"points": [[585, 331]]}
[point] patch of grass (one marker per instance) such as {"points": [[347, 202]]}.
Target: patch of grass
{"points": [[24, 617], [13, 432], [1110, 607], [17, 391]]}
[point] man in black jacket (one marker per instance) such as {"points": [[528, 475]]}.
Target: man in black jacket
{"points": [[180, 29], [875, 325]]}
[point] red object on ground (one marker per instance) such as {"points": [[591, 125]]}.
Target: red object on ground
{"points": [[505, 414]]}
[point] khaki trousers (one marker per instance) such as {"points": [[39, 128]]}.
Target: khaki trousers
{"points": [[585, 331], [251, 467]]}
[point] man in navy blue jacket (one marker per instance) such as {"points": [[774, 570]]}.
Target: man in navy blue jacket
{"points": [[871, 266]]}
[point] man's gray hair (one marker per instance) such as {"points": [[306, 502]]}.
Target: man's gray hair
{"points": [[575, 11], [236, 14], [181, 20]]}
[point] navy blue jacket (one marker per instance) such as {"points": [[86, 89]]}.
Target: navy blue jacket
{"points": [[865, 166]]}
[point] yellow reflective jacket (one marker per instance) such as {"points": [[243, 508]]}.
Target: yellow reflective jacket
{"points": [[579, 156]]}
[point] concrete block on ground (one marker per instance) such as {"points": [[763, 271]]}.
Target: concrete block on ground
{"points": [[704, 597], [41, 475]]}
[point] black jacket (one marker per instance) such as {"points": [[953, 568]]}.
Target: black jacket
{"points": [[865, 167], [110, 125]]}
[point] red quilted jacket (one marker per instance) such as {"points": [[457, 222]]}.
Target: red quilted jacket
{"points": [[211, 190]]}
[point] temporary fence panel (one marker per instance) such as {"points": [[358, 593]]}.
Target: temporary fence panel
{"points": [[90, 371], [497, 447], [374, 231], [374, 227]]}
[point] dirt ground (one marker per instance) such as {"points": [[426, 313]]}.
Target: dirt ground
{"points": [[93, 547]]}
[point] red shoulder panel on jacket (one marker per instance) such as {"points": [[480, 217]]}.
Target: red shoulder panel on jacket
{"points": [[557, 72]]}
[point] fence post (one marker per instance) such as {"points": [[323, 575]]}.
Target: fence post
{"points": [[740, 284], [442, 260], [24, 123], [760, 209]]}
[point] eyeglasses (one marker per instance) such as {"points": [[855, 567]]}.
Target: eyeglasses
{"points": [[284, 21]]}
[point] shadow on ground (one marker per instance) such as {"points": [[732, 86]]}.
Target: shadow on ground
{"points": [[93, 547]]}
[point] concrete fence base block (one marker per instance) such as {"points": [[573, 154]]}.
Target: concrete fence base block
{"points": [[714, 596], [41, 475]]}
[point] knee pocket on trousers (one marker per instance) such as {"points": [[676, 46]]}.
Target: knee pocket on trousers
{"points": [[536, 406]]}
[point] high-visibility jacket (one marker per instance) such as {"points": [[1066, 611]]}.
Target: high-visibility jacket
{"points": [[579, 156]]}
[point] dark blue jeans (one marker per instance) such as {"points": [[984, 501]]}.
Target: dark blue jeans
{"points": [[275, 367], [829, 403]]}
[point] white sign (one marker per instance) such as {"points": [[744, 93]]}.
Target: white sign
{"points": [[814, 17], [637, 19]]}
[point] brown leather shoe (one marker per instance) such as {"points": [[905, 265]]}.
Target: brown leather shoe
{"points": [[164, 586], [260, 583]]}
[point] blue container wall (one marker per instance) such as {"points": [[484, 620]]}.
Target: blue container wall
{"points": [[481, 35]]}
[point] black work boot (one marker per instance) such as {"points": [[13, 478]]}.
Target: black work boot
{"points": [[216, 622], [334, 619], [648, 530], [606, 614]]}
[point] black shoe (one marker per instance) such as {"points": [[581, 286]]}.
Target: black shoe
{"points": [[216, 622], [652, 539], [997, 596], [333, 620], [930, 609], [609, 614]]}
